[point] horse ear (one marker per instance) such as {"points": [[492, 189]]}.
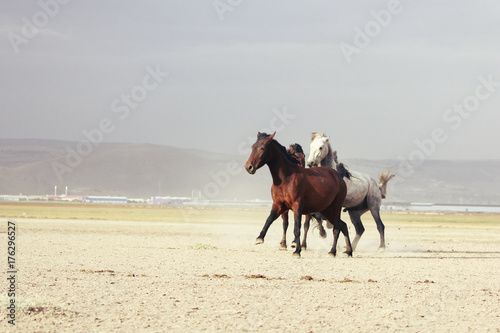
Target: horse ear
{"points": [[335, 158], [258, 135], [269, 138]]}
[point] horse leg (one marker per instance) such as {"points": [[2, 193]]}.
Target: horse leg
{"points": [[380, 226], [270, 219], [319, 218], [345, 232], [296, 230], [355, 216], [338, 227], [294, 244], [307, 222], [336, 232], [332, 214], [284, 216]]}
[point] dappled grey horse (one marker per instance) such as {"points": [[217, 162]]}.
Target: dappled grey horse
{"points": [[363, 192]]}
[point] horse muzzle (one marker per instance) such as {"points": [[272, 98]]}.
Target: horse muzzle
{"points": [[311, 164], [250, 168]]}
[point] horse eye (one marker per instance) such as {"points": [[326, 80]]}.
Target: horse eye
{"points": [[320, 148]]}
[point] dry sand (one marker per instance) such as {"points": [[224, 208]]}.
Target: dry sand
{"points": [[206, 274]]}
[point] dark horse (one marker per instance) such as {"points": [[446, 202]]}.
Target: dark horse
{"points": [[296, 155], [304, 191]]}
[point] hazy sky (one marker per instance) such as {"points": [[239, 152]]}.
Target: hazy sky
{"points": [[377, 76]]}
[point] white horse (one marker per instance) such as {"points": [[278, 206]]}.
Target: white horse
{"points": [[363, 192]]}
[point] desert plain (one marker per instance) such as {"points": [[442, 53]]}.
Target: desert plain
{"points": [[114, 268]]}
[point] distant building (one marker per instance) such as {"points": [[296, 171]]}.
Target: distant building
{"points": [[104, 199], [63, 197], [170, 200], [14, 197]]}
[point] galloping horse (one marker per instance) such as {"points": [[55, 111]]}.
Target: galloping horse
{"points": [[304, 191], [297, 156], [363, 192]]}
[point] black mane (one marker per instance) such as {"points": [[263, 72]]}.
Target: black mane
{"points": [[282, 149], [262, 135], [342, 170], [298, 149]]}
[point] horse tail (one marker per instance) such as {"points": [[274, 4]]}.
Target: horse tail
{"points": [[342, 170], [384, 178]]}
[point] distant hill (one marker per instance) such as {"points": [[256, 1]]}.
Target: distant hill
{"points": [[34, 167]]}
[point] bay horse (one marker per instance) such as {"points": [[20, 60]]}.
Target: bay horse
{"points": [[304, 191], [297, 156], [363, 192]]}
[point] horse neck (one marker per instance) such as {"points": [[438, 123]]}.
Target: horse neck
{"points": [[328, 160], [279, 166]]}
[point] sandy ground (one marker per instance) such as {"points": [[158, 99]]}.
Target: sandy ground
{"points": [[207, 275]]}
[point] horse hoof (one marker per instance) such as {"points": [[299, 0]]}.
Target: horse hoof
{"points": [[259, 241], [294, 245], [322, 233], [349, 253], [304, 247], [296, 255], [381, 249], [331, 254], [283, 248]]}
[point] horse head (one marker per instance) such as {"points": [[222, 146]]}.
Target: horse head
{"points": [[260, 153], [319, 149]]}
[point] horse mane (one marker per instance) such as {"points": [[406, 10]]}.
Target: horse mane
{"points": [[329, 159], [342, 170], [318, 135], [297, 148], [281, 149], [262, 135]]}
